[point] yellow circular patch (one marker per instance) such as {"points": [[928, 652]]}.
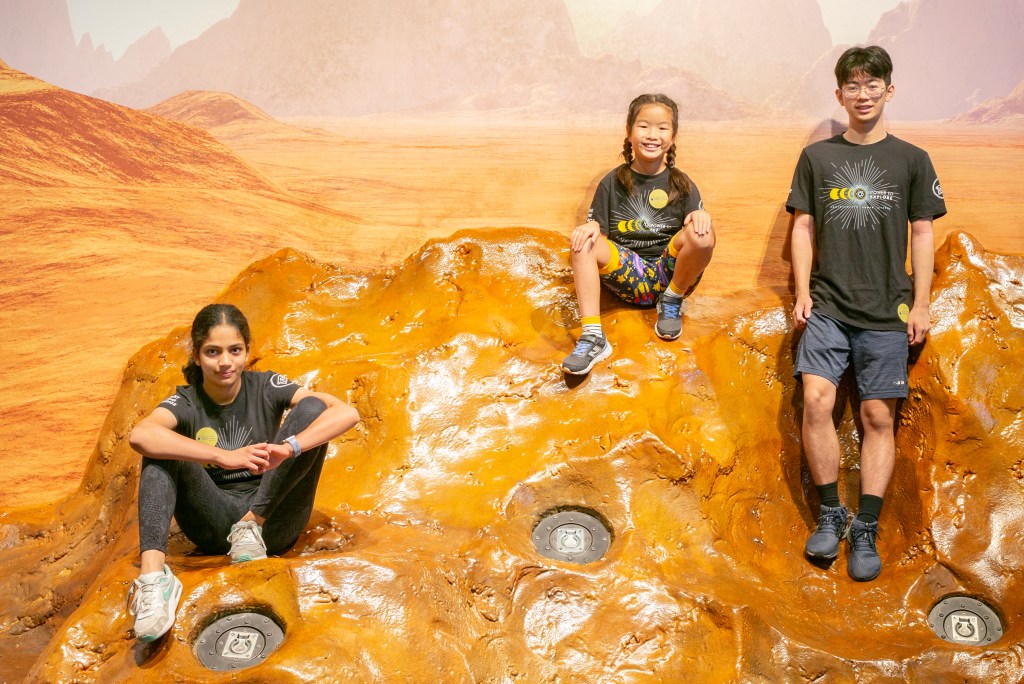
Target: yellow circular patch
{"points": [[904, 312], [658, 198], [207, 436]]}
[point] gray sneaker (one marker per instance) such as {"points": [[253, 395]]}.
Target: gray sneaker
{"points": [[824, 542], [864, 563], [589, 350], [153, 601], [246, 542], [670, 317]]}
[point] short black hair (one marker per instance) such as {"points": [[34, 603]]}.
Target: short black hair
{"points": [[873, 61]]}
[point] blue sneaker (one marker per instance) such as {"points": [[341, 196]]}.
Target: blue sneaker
{"points": [[670, 317], [589, 350], [864, 563], [824, 542], [153, 600]]}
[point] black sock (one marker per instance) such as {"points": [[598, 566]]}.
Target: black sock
{"points": [[870, 508], [829, 494]]}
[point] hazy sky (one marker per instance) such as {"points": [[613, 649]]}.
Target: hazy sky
{"points": [[119, 23]]}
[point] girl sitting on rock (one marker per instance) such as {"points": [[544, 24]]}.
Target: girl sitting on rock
{"points": [[647, 237], [215, 458]]}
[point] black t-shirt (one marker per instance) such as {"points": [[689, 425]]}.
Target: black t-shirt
{"points": [[253, 417], [644, 222], [861, 198]]}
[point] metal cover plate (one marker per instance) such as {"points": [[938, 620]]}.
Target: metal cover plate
{"points": [[964, 620], [237, 641], [574, 536]]}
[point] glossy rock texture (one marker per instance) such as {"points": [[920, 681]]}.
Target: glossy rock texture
{"points": [[418, 564]]}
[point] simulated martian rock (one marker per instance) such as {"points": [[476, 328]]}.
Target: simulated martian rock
{"points": [[674, 475]]}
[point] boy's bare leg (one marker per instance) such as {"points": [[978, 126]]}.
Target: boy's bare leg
{"points": [[878, 449], [821, 446], [821, 442]]}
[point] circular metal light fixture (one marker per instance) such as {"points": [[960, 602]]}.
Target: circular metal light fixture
{"points": [[965, 620], [572, 535], [237, 641]]}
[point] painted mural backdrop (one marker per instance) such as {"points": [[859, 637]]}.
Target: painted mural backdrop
{"points": [[150, 152]]}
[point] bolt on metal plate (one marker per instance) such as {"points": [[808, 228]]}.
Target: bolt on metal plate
{"points": [[238, 641], [574, 536], [964, 620]]}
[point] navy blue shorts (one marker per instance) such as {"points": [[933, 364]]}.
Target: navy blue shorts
{"points": [[879, 357]]}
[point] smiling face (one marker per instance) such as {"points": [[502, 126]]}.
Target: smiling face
{"points": [[864, 97], [222, 358], [651, 136]]}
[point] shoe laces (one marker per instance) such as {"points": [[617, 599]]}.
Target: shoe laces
{"points": [[585, 344], [246, 533], [670, 307], [833, 521], [863, 536], [144, 597]]}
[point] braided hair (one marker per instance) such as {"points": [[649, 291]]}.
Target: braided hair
{"points": [[679, 185]]}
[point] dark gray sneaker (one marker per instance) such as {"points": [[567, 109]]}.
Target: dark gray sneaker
{"points": [[864, 563], [589, 350], [824, 542], [670, 317]]}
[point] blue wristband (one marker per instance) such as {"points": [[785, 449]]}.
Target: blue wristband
{"points": [[294, 444]]}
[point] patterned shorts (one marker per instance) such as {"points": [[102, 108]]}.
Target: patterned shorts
{"points": [[640, 281]]}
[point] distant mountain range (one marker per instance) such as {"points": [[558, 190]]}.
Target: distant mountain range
{"points": [[722, 58], [948, 56], [36, 37], [747, 48], [997, 110]]}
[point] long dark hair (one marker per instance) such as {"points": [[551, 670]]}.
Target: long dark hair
{"points": [[209, 317], [679, 186]]}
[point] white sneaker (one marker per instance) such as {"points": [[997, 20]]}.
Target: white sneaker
{"points": [[153, 599], [246, 542]]}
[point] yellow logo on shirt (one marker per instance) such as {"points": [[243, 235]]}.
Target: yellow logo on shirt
{"points": [[658, 198], [631, 226], [904, 312], [207, 436]]}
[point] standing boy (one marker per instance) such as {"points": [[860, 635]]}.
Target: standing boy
{"points": [[852, 198]]}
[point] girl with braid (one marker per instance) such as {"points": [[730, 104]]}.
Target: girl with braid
{"points": [[647, 237]]}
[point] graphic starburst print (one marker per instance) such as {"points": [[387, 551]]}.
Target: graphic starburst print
{"points": [[858, 196], [235, 435], [639, 215]]}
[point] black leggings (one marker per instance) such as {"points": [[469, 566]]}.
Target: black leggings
{"points": [[205, 512]]}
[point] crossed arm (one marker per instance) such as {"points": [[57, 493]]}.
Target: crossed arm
{"points": [[155, 437]]}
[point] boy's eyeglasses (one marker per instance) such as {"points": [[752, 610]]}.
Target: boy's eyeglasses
{"points": [[872, 90]]}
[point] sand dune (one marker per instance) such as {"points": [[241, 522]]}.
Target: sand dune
{"points": [[50, 136], [206, 109]]}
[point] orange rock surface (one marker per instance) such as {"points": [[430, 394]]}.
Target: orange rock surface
{"points": [[418, 564]]}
